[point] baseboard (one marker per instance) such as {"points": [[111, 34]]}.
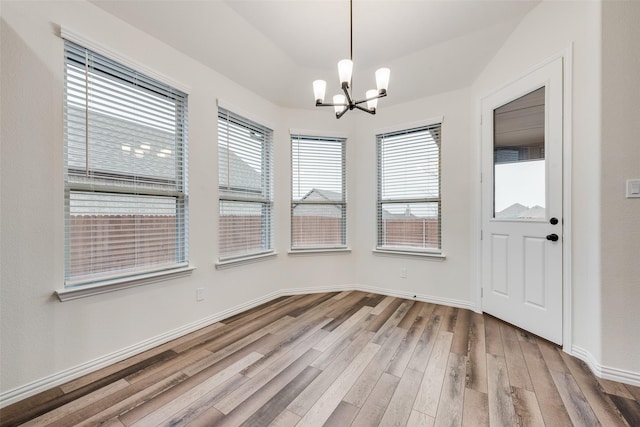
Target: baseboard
{"points": [[383, 291], [606, 372], [62, 377], [417, 297], [59, 378]]}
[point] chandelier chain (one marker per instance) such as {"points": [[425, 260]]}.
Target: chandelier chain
{"points": [[351, 29]]}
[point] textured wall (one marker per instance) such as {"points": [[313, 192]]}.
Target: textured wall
{"points": [[620, 161], [550, 29], [41, 336]]}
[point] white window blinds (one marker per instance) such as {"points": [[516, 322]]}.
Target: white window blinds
{"points": [[318, 205], [245, 184], [409, 205], [125, 170]]}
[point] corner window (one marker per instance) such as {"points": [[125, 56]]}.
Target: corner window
{"points": [[409, 205], [125, 171], [318, 201], [245, 186]]}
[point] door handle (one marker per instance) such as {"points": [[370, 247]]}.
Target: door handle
{"points": [[553, 237]]}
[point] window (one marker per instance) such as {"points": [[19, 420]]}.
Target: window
{"points": [[245, 181], [125, 171], [409, 203], [318, 207]]}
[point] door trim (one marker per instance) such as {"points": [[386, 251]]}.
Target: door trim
{"points": [[567, 81]]}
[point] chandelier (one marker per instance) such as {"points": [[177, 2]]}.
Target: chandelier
{"points": [[343, 103]]}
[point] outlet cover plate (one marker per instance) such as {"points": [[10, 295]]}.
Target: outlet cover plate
{"points": [[633, 188]]}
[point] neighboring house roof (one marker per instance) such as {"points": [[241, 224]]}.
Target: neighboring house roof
{"points": [[317, 194], [116, 159], [534, 212], [115, 152], [518, 210], [321, 210], [236, 173]]}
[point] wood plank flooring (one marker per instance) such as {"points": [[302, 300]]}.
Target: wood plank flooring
{"points": [[341, 359]]}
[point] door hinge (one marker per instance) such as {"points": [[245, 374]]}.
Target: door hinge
{"points": [[481, 292], [481, 235]]}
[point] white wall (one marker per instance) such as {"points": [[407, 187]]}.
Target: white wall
{"points": [[605, 93], [42, 336], [551, 28], [620, 231], [436, 280]]}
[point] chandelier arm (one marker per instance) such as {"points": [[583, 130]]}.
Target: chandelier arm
{"points": [[372, 111], [381, 95], [345, 89], [322, 104]]}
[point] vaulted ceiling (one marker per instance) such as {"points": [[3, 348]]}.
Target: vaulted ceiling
{"points": [[276, 48]]}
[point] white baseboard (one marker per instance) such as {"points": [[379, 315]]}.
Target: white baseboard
{"points": [[30, 389], [383, 291], [417, 297], [606, 372], [62, 377]]}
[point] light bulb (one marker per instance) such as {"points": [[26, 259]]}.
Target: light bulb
{"points": [[372, 104], [341, 103], [345, 69], [382, 80], [319, 89]]}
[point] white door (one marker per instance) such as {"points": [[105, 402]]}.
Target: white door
{"points": [[522, 202]]}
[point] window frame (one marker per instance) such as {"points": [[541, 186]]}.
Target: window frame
{"points": [[114, 184], [247, 196], [407, 250], [298, 138]]}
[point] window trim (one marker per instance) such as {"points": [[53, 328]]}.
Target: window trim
{"points": [[328, 251], [107, 281], [436, 254], [342, 140], [67, 33], [267, 180], [242, 260], [116, 284]]}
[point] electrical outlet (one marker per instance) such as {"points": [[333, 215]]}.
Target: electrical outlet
{"points": [[403, 273], [633, 188], [199, 294]]}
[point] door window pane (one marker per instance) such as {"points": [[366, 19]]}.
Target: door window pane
{"points": [[519, 158]]}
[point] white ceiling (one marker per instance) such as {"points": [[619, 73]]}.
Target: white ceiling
{"points": [[276, 48]]}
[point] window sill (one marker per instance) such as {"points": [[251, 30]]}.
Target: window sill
{"points": [[319, 251], [435, 256], [234, 262], [113, 285]]}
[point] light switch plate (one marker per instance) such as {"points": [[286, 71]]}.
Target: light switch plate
{"points": [[633, 188]]}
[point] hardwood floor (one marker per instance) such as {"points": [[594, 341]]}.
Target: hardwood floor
{"points": [[341, 359]]}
